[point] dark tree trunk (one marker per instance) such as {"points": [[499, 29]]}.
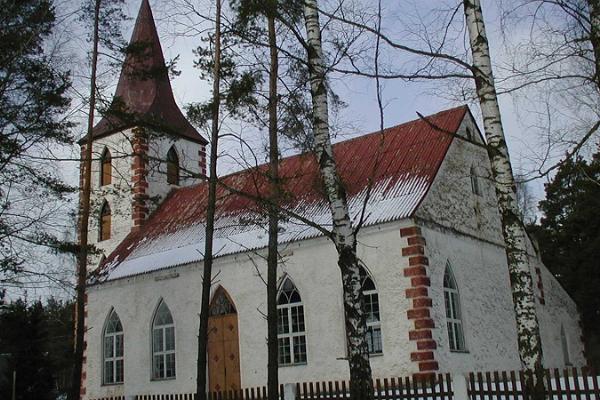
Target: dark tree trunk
{"points": [[84, 216], [272, 256], [201, 389]]}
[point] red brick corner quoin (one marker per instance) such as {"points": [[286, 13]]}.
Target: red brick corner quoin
{"points": [[139, 183], [418, 293]]}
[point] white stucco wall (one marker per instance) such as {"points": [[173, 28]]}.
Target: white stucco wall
{"points": [[465, 229], [312, 267]]}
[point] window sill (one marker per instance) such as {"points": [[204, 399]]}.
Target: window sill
{"points": [[113, 384], [292, 365], [376, 354], [171, 378], [460, 351]]}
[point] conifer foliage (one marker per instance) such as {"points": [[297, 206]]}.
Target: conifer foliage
{"points": [[35, 343], [33, 98], [569, 238]]}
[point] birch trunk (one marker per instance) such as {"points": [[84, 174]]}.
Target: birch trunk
{"points": [[84, 217], [343, 234], [530, 348], [210, 216], [272, 256]]}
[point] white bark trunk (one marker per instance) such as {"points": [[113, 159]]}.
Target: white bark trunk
{"points": [[343, 234], [530, 349]]}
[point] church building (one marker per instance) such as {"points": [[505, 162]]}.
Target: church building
{"points": [[435, 276]]}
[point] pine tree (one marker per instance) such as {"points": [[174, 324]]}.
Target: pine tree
{"points": [[33, 98], [569, 240]]}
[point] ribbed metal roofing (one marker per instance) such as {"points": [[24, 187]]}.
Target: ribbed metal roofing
{"points": [[395, 168]]}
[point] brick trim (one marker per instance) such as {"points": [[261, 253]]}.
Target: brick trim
{"points": [[138, 179], [83, 390], [418, 294]]}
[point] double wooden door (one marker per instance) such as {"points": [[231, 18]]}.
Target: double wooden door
{"points": [[223, 345]]}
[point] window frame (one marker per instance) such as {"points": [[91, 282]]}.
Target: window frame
{"points": [[453, 312], [114, 359], [475, 184], [164, 352], [290, 336], [371, 325], [105, 162], [173, 167]]}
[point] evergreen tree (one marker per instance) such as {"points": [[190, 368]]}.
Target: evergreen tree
{"points": [[33, 100], [569, 238], [24, 345]]}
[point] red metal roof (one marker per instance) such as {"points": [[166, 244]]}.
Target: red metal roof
{"points": [[400, 163], [144, 95]]}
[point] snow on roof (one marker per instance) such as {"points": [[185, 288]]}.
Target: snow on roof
{"points": [[399, 164]]}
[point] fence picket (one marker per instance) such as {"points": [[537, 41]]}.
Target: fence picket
{"points": [[576, 385]]}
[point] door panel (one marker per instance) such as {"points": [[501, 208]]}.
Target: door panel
{"points": [[231, 351], [223, 353], [216, 358]]}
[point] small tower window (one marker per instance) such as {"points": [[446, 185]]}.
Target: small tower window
{"points": [[172, 167], [475, 188], [105, 219], [105, 168], [453, 314]]}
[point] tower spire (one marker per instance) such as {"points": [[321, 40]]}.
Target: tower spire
{"points": [[144, 96]]}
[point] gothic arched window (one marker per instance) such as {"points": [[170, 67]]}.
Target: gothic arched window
{"points": [[371, 310], [291, 335], [112, 355], [565, 345], [172, 167], [105, 168], [453, 313], [475, 188], [105, 221], [163, 343]]}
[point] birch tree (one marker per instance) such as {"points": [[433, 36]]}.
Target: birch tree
{"points": [[529, 341], [343, 234]]}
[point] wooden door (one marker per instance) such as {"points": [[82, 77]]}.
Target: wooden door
{"points": [[223, 344]]}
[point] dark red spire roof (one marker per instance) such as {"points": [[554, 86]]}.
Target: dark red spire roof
{"points": [[144, 95]]}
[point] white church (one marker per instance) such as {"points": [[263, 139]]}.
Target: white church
{"points": [[435, 276]]}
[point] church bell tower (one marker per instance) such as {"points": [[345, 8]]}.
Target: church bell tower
{"points": [[143, 147]]}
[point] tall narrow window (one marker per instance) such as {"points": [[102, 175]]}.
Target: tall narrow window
{"points": [[291, 335], [475, 182], [105, 220], [113, 350], [565, 345], [371, 310], [163, 343], [105, 168], [172, 167], [453, 315]]}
